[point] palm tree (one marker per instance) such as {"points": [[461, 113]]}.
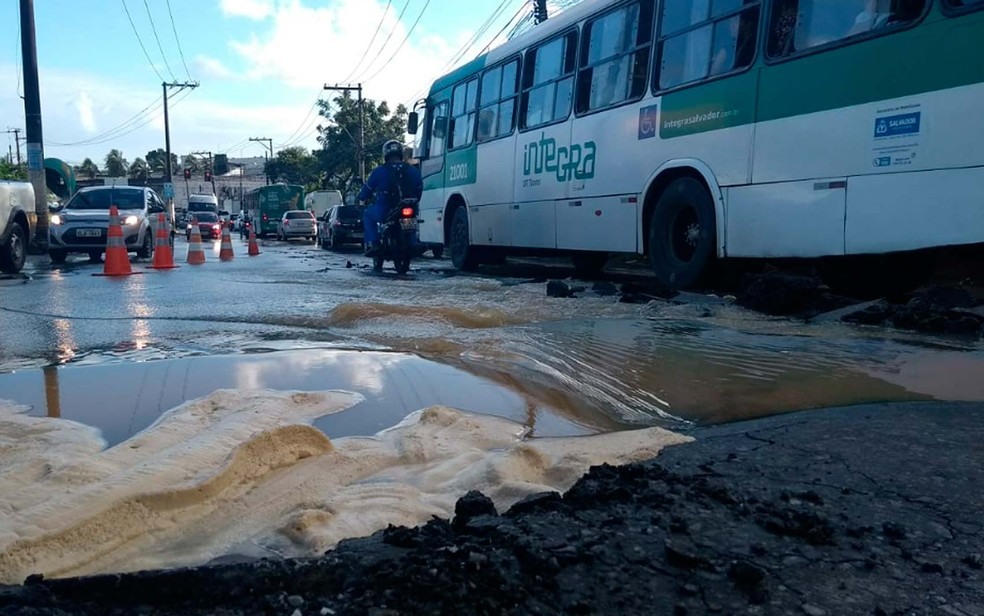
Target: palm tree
{"points": [[89, 169], [115, 163], [139, 170]]}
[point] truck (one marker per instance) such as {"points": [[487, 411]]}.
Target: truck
{"points": [[17, 220], [320, 201]]}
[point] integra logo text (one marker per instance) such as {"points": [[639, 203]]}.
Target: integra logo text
{"points": [[576, 161]]}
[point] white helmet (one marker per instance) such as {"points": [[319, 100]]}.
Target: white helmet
{"points": [[392, 148]]}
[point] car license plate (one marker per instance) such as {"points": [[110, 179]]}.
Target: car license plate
{"points": [[89, 233], [408, 224]]}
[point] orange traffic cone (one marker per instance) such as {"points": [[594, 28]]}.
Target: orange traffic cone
{"points": [[117, 260], [254, 248], [196, 255], [225, 253], [163, 255]]}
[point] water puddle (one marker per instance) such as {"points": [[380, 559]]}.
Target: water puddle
{"points": [[648, 372], [121, 399]]}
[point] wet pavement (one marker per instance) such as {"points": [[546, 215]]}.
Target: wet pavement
{"points": [[118, 352]]}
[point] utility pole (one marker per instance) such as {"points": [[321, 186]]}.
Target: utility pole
{"points": [[539, 11], [167, 125], [210, 168], [167, 138], [17, 139], [362, 128], [266, 141], [32, 117]]}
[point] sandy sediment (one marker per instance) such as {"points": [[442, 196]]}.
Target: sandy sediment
{"points": [[245, 474]]}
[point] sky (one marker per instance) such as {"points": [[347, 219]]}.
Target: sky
{"points": [[261, 65]]}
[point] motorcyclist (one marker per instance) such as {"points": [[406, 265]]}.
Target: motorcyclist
{"points": [[387, 184]]}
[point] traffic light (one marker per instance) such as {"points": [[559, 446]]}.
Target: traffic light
{"points": [[187, 173], [208, 176]]}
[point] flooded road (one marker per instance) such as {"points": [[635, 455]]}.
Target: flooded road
{"points": [[291, 318], [276, 405]]}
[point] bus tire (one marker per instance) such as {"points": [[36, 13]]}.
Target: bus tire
{"points": [[589, 264], [463, 254], [682, 233]]}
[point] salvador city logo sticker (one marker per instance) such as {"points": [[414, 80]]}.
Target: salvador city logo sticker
{"points": [[576, 161]]}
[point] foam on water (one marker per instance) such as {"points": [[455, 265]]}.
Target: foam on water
{"points": [[244, 473]]}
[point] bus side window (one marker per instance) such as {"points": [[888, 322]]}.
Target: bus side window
{"points": [[548, 80], [615, 57], [438, 131], [464, 103], [799, 25], [699, 39]]}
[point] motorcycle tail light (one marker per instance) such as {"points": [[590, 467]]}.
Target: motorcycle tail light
{"points": [[407, 212]]}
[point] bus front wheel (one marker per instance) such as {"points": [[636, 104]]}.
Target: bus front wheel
{"points": [[681, 234], [463, 255]]}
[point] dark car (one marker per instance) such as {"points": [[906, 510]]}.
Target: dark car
{"points": [[208, 224], [341, 224]]}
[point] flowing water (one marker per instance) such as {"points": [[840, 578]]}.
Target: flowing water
{"points": [[300, 418]]}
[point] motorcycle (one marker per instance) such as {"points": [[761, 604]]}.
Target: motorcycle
{"points": [[398, 237]]}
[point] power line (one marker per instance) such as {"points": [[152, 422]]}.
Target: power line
{"points": [[365, 53], [178, 98], [304, 122], [158, 39], [503, 30], [404, 42], [139, 40], [467, 45], [177, 39], [399, 20], [156, 103]]}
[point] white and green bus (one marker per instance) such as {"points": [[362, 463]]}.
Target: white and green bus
{"points": [[689, 130]]}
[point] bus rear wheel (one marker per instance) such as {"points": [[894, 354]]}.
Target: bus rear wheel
{"points": [[681, 234], [463, 255]]}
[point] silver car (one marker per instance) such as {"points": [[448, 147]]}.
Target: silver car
{"points": [[83, 224], [297, 223]]}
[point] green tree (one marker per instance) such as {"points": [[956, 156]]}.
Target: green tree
{"points": [[116, 165], [195, 163], [157, 161], [88, 169], [295, 166], [139, 170], [339, 139], [10, 171]]}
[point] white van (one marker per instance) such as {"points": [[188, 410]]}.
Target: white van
{"points": [[320, 201], [203, 203]]}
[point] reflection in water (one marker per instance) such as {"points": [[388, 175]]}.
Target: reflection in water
{"points": [[52, 393], [124, 398], [64, 344]]}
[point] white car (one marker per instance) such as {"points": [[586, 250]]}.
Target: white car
{"points": [[16, 207], [297, 223], [83, 224]]}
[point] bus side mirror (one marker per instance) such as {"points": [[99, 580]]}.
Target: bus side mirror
{"points": [[413, 121]]}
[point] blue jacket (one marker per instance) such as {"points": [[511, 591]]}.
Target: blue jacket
{"points": [[388, 181]]}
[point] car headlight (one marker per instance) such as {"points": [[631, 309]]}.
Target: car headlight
{"points": [[56, 219], [131, 221]]}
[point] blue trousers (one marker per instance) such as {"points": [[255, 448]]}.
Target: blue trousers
{"points": [[371, 217]]}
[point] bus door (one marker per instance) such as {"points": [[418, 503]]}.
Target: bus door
{"points": [[432, 169], [602, 209], [541, 177]]}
